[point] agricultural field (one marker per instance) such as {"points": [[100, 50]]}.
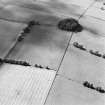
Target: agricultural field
{"points": [[43, 63]]}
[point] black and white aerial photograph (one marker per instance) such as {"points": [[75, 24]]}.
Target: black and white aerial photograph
{"points": [[52, 52]]}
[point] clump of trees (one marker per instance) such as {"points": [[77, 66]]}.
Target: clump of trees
{"points": [[96, 53], [10, 61], [39, 66], [27, 29], [70, 24], [23, 63], [91, 86], [103, 56], [80, 46]]}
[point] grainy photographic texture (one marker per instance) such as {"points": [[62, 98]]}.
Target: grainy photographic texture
{"points": [[52, 52]]}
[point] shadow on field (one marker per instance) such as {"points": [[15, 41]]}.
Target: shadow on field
{"points": [[47, 37], [93, 31], [47, 7]]}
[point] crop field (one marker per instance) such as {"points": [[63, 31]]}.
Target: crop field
{"points": [[43, 64]]}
